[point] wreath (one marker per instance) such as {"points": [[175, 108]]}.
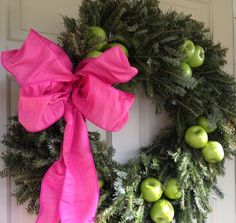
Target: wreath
{"points": [[180, 69]]}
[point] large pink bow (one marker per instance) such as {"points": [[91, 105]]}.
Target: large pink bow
{"points": [[49, 90]]}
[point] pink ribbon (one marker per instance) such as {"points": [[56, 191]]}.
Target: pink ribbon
{"points": [[49, 90]]}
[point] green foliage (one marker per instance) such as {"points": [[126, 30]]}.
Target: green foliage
{"points": [[152, 38], [28, 158]]}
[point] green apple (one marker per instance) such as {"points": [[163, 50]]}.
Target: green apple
{"points": [[187, 71], [121, 45], [198, 57], [196, 137], [100, 183], [171, 189], [93, 54], [96, 37], [151, 189], [213, 152], [162, 211], [204, 123], [187, 48]]}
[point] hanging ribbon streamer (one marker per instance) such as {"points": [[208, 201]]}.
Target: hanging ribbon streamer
{"points": [[48, 91]]}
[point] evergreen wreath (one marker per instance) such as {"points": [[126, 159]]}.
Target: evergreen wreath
{"points": [[153, 39]]}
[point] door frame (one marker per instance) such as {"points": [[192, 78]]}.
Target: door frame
{"points": [[4, 182]]}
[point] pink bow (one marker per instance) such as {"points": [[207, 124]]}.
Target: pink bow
{"points": [[49, 90]]}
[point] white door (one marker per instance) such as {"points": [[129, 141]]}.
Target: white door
{"points": [[17, 16]]}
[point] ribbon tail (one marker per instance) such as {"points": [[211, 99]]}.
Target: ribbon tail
{"points": [[50, 194], [69, 190], [80, 191]]}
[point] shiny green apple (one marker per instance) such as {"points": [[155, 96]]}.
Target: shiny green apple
{"points": [[162, 211], [96, 37], [187, 48], [119, 44], [172, 190], [93, 54], [204, 123], [151, 189], [186, 70], [213, 152], [196, 137], [198, 57]]}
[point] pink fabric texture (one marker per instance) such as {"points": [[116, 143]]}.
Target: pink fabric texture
{"points": [[48, 91]]}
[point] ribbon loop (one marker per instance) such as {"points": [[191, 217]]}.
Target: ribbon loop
{"points": [[42, 104], [100, 102], [112, 67], [36, 61], [49, 90]]}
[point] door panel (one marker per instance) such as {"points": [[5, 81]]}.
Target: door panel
{"points": [[44, 16], [18, 16], [200, 10]]}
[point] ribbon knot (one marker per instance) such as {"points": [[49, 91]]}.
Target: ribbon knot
{"points": [[49, 90]]}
